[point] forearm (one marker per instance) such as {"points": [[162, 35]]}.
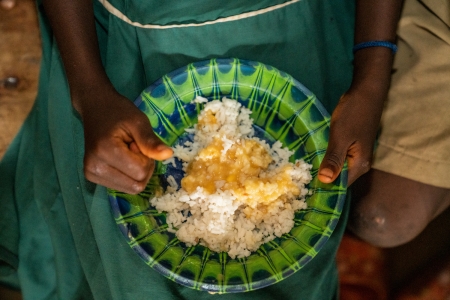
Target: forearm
{"points": [[73, 26], [356, 118], [375, 20]]}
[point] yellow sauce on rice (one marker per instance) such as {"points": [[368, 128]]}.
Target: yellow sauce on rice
{"points": [[242, 171], [238, 192]]}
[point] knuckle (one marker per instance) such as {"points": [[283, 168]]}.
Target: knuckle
{"points": [[140, 174], [137, 187], [143, 169], [93, 168], [365, 166]]}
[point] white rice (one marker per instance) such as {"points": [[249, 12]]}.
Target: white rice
{"points": [[217, 220]]}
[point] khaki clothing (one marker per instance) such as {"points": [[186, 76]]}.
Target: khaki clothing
{"points": [[415, 128]]}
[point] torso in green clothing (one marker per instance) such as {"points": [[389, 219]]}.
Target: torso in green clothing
{"points": [[77, 250]]}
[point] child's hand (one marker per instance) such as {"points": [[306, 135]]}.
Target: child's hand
{"points": [[355, 121], [354, 125], [120, 146]]}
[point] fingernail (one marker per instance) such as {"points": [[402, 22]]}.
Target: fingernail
{"points": [[162, 147], [326, 172]]}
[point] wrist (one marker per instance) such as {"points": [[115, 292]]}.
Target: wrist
{"points": [[375, 43], [372, 71], [91, 96]]}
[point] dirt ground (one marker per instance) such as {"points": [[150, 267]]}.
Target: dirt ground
{"points": [[20, 53]]}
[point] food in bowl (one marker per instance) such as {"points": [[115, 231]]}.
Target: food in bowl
{"points": [[238, 191]]}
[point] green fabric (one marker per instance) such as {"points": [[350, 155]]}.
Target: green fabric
{"points": [[57, 233]]}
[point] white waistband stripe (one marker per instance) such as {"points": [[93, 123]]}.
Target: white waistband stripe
{"points": [[109, 7]]}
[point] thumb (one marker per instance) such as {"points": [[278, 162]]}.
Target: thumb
{"points": [[150, 145], [332, 163]]}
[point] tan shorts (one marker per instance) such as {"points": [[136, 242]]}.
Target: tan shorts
{"points": [[415, 128]]}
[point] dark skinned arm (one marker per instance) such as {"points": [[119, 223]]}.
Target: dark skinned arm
{"points": [[355, 121], [120, 146], [119, 154]]}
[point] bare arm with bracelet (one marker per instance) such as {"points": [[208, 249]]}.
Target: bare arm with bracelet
{"points": [[121, 148], [355, 121]]}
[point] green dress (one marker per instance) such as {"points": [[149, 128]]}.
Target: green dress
{"points": [[58, 238]]}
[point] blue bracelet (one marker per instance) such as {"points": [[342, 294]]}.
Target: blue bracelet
{"points": [[386, 44]]}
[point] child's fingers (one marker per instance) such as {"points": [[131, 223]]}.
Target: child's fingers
{"points": [[111, 177], [332, 163], [149, 144], [117, 155]]}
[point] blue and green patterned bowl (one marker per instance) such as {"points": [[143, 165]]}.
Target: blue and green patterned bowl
{"points": [[284, 110]]}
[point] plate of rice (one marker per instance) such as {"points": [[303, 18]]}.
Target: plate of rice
{"points": [[239, 206]]}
